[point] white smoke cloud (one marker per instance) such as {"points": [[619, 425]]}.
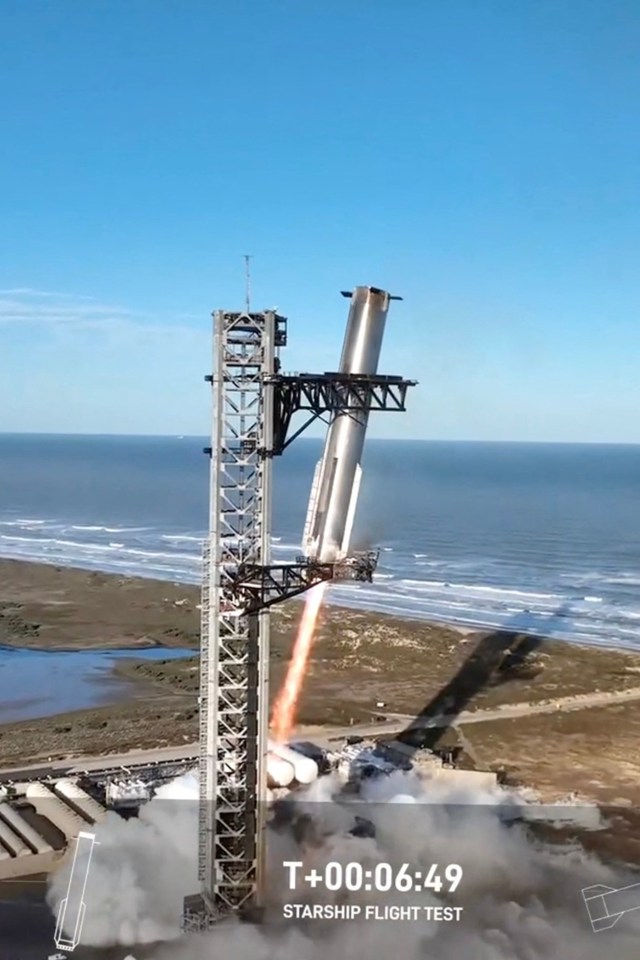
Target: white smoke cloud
{"points": [[521, 897], [140, 871]]}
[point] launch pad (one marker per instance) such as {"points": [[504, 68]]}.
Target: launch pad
{"points": [[253, 408]]}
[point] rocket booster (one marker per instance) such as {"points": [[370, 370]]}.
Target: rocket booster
{"points": [[336, 482]]}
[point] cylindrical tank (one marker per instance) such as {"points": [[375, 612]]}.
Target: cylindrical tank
{"points": [[80, 800], [336, 482], [54, 809], [280, 772], [12, 841], [24, 829], [305, 769]]}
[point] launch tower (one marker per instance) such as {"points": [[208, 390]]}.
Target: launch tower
{"points": [[253, 407]]}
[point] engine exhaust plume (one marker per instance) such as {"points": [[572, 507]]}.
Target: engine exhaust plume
{"points": [[284, 710]]}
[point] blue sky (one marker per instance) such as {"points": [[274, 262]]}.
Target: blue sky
{"points": [[482, 159]]}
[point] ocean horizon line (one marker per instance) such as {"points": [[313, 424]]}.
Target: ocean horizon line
{"points": [[370, 440]]}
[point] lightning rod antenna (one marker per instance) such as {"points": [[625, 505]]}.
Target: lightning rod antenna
{"points": [[247, 277]]}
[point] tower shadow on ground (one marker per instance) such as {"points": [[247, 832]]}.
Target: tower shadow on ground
{"points": [[499, 656]]}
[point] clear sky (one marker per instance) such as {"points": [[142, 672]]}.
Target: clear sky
{"points": [[479, 157]]}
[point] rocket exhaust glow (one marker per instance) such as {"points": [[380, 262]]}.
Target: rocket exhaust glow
{"points": [[284, 710], [335, 488], [336, 482]]}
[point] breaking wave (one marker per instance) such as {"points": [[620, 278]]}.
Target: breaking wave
{"points": [[600, 607]]}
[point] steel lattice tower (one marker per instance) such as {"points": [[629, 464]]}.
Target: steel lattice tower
{"points": [[253, 406], [234, 652]]}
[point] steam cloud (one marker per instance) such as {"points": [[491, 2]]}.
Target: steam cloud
{"points": [[521, 897]]}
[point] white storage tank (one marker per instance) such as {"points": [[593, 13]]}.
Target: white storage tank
{"points": [[280, 773], [54, 809], [306, 769], [20, 826], [12, 841], [80, 800]]}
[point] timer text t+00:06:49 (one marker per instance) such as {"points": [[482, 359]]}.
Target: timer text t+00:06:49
{"points": [[382, 878]]}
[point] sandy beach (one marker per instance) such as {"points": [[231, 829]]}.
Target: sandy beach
{"points": [[554, 715]]}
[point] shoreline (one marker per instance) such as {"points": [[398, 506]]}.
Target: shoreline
{"points": [[180, 592], [558, 716]]}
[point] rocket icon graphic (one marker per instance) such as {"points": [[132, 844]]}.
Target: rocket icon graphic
{"points": [[605, 905], [72, 909]]}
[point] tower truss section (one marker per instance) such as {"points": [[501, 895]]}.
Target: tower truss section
{"points": [[235, 642], [253, 409]]}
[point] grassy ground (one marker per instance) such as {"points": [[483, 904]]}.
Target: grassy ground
{"points": [[359, 660]]}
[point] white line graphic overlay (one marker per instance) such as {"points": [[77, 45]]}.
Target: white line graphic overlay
{"points": [[72, 909], [605, 905]]}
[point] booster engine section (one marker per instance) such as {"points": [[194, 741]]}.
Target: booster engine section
{"points": [[336, 481]]}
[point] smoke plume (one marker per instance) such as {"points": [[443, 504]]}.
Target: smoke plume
{"points": [[521, 895]]}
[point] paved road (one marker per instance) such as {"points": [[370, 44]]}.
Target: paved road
{"points": [[78, 765], [397, 722], [580, 701], [324, 737]]}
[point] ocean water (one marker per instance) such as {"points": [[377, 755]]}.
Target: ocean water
{"points": [[535, 537]]}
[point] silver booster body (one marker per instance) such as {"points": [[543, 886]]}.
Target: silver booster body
{"points": [[336, 481]]}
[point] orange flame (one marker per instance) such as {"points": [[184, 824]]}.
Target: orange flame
{"points": [[284, 710]]}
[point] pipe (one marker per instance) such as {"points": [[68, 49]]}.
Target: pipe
{"points": [[336, 481]]}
